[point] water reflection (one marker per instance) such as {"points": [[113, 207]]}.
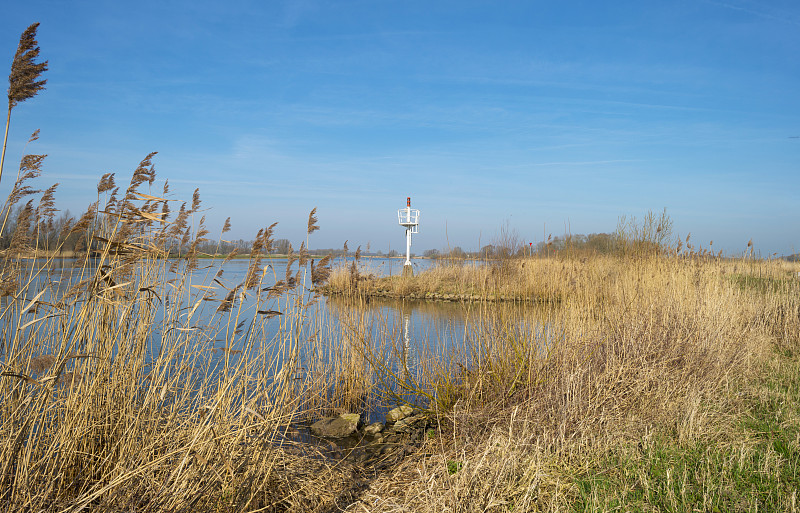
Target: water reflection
{"points": [[423, 341], [406, 344]]}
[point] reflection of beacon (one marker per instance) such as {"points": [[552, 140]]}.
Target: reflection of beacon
{"points": [[408, 218]]}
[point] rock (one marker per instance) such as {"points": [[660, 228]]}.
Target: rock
{"points": [[404, 425], [357, 456], [399, 413], [401, 426], [393, 439], [337, 427], [374, 428]]}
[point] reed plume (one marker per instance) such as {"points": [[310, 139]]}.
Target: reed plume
{"points": [[187, 236], [106, 183], [85, 220], [262, 243], [46, 209], [41, 363], [145, 172], [227, 303], [23, 81], [21, 239], [9, 284], [199, 238], [179, 225], [196, 200], [322, 271], [111, 204], [290, 256], [303, 254], [312, 221], [30, 167]]}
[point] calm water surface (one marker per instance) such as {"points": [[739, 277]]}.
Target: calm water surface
{"points": [[414, 332]]}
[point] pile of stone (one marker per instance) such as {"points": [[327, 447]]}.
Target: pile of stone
{"points": [[404, 428]]}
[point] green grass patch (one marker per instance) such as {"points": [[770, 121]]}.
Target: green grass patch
{"points": [[762, 284], [754, 467]]}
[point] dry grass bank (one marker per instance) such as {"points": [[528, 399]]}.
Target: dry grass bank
{"points": [[549, 280], [654, 365], [536, 280]]}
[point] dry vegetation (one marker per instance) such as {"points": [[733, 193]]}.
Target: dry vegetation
{"points": [[661, 372], [657, 378], [538, 280], [109, 396], [631, 391]]}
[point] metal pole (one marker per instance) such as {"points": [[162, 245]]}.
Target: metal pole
{"points": [[408, 231], [408, 246]]}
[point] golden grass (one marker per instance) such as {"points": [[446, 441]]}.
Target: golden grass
{"points": [[535, 280], [109, 401], [655, 379], [107, 397], [637, 347]]}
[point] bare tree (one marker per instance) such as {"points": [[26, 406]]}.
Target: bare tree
{"points": [[282, 246]]}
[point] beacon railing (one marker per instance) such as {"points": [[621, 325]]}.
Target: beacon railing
{"points": [[409, 217]]}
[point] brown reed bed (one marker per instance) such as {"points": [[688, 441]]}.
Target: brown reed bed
{"points": [[652, 362], [108, 398], [632, 349]]}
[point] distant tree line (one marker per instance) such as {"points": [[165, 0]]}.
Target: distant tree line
{"points": [[597, 243], [651, 234], [54, 234], [283, 247]]}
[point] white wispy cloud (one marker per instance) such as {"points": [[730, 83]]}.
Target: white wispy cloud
{"points": [[759, 11]]}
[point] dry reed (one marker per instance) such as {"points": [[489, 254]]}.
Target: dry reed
{"points": [[126, 410], [110, 400], [637, 346], [133, 381]]}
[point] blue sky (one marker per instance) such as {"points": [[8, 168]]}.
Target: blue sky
{"points": [[544, 116]]}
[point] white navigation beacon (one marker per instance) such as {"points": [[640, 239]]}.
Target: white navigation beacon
{"points": [[409, 219]]}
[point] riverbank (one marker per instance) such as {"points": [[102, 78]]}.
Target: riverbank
{"points": [[734, 451], [537, 280], [650, 383], [674, 387], [524, 280]]}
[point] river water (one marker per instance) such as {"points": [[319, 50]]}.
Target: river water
{"points": [[410, 338]]}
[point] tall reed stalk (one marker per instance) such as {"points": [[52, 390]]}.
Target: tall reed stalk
{"points": [[137, 381], [23, 81]]}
